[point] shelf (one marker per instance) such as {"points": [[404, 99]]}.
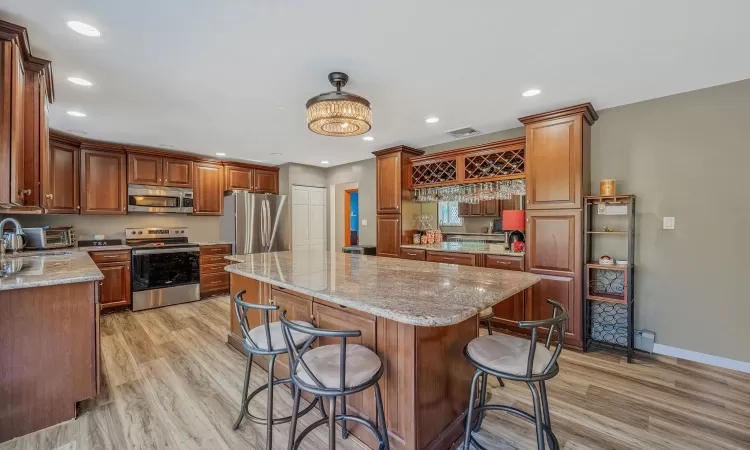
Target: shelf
{"points": [[609, 298], [594, 265], [608, 232]]}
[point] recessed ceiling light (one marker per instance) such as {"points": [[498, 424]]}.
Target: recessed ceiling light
{"points": [[84, 29], [221, 154], [80, 81], [368, 138], [76, 114], [432, 120], [324, 162], [531, 92], [275, 154]]}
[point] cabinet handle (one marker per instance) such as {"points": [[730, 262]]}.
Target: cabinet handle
{"points": [[449, 259], [23, 192], [49, 196], [159, 180], [219, 281], [123, 208], [528, 202], [506, 263], [78, 207], [411, 254]]}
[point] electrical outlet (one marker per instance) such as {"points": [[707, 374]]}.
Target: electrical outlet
{"points": [[364, 222], [668, 223]]}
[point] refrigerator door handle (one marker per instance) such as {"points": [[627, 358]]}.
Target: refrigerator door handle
{"points": [[268, 224], [263, 224]]}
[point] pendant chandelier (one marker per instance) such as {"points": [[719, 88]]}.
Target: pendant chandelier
{"points": [[338, 113]]}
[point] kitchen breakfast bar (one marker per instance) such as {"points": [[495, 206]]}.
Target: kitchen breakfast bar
{"points": [[417, 316]]}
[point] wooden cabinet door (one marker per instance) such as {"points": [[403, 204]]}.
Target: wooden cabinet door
{"points": [[17, 83], [60, 190], [36, 138], [389, 236], [115, 287], [240, 178], [144, 169], [554, 167], [461, 259], [297, 308], [388, 176], [553, 241], [563, 290], [103, 182], [209, 189], [491, 208], [464, 210], [510, 311], [339, 318], [177, 172], [266, 181]]}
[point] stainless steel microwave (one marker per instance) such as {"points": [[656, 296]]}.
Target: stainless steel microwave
{"points": [[154, 199]]}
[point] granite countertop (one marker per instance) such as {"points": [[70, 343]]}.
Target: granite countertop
{"points": [[412, 292], [463, 247], [47, 268]]}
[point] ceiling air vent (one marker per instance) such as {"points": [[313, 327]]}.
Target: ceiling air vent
{"points": [[463, 132]]}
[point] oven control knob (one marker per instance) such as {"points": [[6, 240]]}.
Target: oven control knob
{"points": [[140, 232], [132, 232]]}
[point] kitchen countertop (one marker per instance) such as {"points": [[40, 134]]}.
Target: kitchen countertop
{"points": [[412, 292], [49, 268], [463, 247]]}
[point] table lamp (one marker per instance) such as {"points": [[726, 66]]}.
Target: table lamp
{"points": [[514, 222]]}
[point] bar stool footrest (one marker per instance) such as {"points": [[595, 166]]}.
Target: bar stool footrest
{"points": [[373, 429], [523, 414], [278, 420]]}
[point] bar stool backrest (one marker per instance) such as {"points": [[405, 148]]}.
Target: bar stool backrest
{"points": [[554, 324], [295, 355], [241, 308]]}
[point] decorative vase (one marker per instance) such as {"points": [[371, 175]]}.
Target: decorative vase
{"points": [[607, 187]]}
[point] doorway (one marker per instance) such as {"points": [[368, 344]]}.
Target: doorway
{"points": [[351, 217]]}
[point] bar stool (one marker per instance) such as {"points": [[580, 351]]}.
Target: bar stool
{"points": [[256, 342], [514, 358], [333, 371], [485, 316]]}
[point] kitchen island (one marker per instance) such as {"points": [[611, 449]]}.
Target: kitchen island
{"points": [[416, 315], [49, 338]]}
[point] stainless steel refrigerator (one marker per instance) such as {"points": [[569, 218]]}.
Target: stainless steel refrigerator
{"points": [[255, 223]]}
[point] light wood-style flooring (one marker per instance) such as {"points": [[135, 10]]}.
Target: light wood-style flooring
{"points": [[171, 382]]}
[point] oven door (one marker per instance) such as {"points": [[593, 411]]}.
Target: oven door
{"points": [[166, 267]]}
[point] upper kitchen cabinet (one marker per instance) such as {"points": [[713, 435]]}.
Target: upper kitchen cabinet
{"points": [[558, 154], [266, 181], [209, 189], [177, 172], [144, 169], [38, 96], [155, 170], [389, 172], [103, 180], [60, 178], [11, 117], [238, 178]]}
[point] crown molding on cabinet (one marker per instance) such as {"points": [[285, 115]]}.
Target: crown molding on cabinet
{"points": [[586, 109], [10, 31]]}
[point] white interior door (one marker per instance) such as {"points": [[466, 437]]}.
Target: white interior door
{"points": [[308, 218]]}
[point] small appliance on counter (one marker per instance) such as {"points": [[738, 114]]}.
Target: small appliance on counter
{"points": [[514, 223], [359, 249], [45, 238], [165, 267]]}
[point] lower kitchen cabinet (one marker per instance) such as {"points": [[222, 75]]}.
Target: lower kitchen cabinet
{"points": [[214, 279], [389, 235], [413, 253], [462, 259], [115, 289], [563, 291]]}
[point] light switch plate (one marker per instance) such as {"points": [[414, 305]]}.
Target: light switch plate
{"points": [[364, 222], [668, 223]]}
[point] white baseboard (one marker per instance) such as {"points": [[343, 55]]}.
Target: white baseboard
{"points": [[704, 358]]}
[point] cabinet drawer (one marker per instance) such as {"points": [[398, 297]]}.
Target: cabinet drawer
{"points": [[342, 309], [413, 253], [110, 256], [463, 259], [213, 259], [276, 291], [213, 268], [504, 262], [219, 249], [214, 281]]}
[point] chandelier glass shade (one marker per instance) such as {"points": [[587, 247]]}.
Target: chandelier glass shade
{"points": [[339, 113]]}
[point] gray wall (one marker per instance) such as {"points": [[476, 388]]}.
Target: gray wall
{"points": [[363, 173], [686, 156]]}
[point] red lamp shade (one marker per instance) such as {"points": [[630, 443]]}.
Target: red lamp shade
{"points": [[514, 220]]}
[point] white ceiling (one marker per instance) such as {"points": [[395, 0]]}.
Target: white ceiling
{"points": [[233, 76]]}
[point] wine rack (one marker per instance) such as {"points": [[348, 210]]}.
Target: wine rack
{"points": [[496, 164], [434, 173]]}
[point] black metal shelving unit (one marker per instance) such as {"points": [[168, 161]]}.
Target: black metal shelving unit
{"points": [[608, 290]]}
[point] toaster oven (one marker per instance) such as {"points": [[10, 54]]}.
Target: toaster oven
{"points": [[43, 238]]}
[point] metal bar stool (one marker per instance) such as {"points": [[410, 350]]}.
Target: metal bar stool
{"points": [[514, 358], [256, 342], [333, 371], [485, 316]]}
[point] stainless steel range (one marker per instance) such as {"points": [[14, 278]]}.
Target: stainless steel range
{"points": [[166, 268]]}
